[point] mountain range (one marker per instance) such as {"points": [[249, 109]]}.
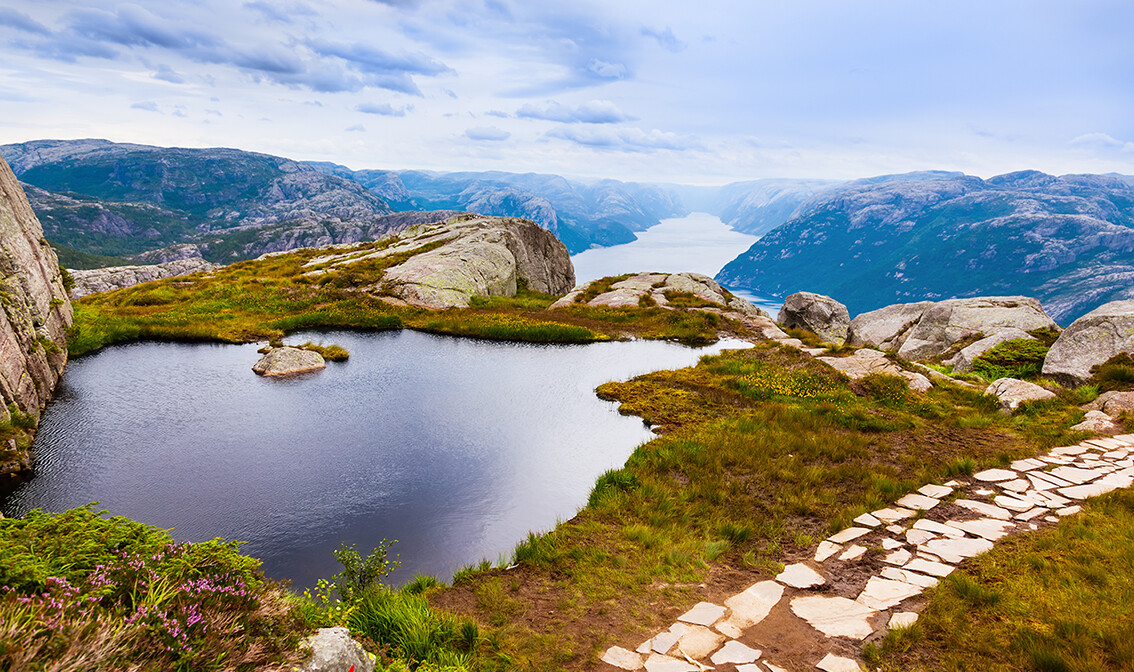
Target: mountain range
{"points": [[1068, 241]]}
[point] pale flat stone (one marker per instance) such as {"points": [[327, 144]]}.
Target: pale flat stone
{"points": [[898, 557], [699, 641], [771, 668], [1042, 483], [895, 529], [984, 508], [937, 528], [1051, 519], [728, 630], [704, 613], [1075, 475], [1116, 454], [1050, 499], [902, 619], [1013, 503], [849, 534], [646, 646], [800, 575], [892, 515], [1070, 510], [890, 544], [621, 658], [1047, 476], [1018, 485], [918, 502], [918, 537], [659, 663], [736, 653], [853, 552], [833, 663], [1027, 465], [867, 520], [995, 475], [987, 528], [663, 642], [1055, 459], [984, 492], [952, 484], [1069, 450], [956, 550], [938, 569], [825, 550], [1088, 490], [935, 491], [882, 593], [835, 616], [914, 578], [1028, 515], [751, 606]]}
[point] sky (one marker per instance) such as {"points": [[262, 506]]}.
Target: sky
{"points": [[704, 92]]}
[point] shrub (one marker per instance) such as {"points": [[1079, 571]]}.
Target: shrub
{"points": [[1018, 358], [361, 573]]}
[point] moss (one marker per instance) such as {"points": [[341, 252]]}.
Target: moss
{"points": [[1018, 358]]}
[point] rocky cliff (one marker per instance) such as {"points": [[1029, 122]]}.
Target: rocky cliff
{"points": [[1068, 241], [33, 322], [116, 277]]}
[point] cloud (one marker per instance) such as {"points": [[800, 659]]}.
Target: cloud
{"points": [[625, 139], [665, 39], [605, 70], [168, 74], [148, 106], [489, 134], [498, 113], [133, 26], [21, 21], [273, 12], [1102, 141], [383, 109], [594, 112], [357, 128]]}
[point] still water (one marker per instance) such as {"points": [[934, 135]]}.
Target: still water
{"points": [[697, 243], [455, 447]]}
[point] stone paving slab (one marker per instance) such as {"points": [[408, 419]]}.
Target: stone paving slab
{"points": [[849, 534], [881, 594], [833, 663], [736, 653], [935, 491], [918, 502], [752, 606], [704, 613], [984, 508], [835, 616], [994, 475], [800, 575]]}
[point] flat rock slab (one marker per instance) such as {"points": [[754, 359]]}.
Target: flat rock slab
{"points": [[918, 502], [735, 653], [623, 659], [1075, 475], [895, 574], [1013, 503], [286, 361], [956, 550], [867, 520], [835, 616], [1018, 485], [918, 537], [833, 663], [984, 508], [1088, 490], [995, 475], [1027, 464], [937, 528], [849, 534], [902, 619], [986, 528], [663, 642], [892, 515], [752, 606], [826, 549], [938, 569], [935, 491], [698, 641], [659, 663], [801, 576], [898, 557], [882, 593], [853, 552], [704, 613]]}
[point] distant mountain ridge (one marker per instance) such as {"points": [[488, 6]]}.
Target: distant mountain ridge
{"points": [[1068, 241]]}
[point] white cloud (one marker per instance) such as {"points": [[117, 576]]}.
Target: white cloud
{"points": [[593, 112], [487, 133]]}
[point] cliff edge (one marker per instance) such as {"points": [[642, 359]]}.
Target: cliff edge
{"points": [[34, 319]]}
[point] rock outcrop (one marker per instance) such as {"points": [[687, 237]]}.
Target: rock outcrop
{"points": [[333, 650], [822, 315], [867, 361], [1012, 392], [34, 314], [1091, 340], [118, 277], [1098, 422], [962, 362], [285, 361], [448, 264], [927, 329], [1113, 403], [663, 289]]}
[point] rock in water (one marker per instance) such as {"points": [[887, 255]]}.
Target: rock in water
{"points": [[1012, 392], [824, 316], [34, 310], [1091, 340], [118, 277], [333, 650], [285, 360]]}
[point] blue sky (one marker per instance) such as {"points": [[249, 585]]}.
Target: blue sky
{"points": [[697, 92]]}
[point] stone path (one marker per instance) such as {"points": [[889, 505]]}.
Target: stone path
{"points": [[867, 579]]}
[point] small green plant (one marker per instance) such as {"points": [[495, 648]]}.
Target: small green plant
{"points": [[334, 353], [361, 573], [1018, 358], [962, 466]]}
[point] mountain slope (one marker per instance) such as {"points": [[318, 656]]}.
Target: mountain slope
{"points": [[1066, 240]]}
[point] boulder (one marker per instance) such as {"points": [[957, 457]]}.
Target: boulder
{"points": [[867, 361], [287, 360], [1091, 340], [1097, 421], [659, 287], [1113, 403], [333, 650], [962, 362], [822, 315], [1012, 392], [34, 313], [947, 322], [118, 277], [886, 328]]}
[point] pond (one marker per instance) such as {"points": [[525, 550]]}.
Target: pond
{"points": [[454, 447]]}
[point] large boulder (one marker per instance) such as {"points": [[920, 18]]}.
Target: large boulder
{"points": [[1091, 340], [448, 264], [118, 277], [822, 315], [333, 650], [1113, 403], [286, 360], [34, 315], [1012, 392], [867, 361], [962, 362], [927, 329]]}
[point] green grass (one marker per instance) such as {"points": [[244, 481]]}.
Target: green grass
{"points": [[1018, 358]]}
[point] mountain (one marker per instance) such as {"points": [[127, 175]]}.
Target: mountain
{"points": [[582, 215], [1068, 241], [759, 206]]}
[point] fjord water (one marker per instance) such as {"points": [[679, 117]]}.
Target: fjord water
{"points": [[697, 243], [455, 447]]}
